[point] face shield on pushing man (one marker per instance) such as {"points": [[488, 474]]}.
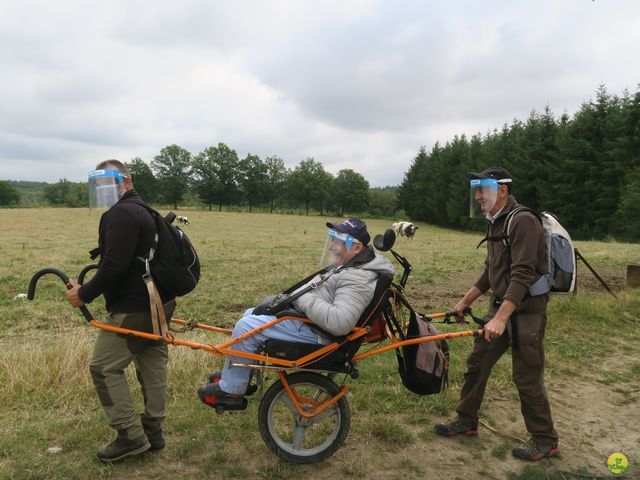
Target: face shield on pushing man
{"points": [[106, 187], [483, 191]]}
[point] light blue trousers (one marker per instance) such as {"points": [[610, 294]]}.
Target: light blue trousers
{"points": [[236, 379]]}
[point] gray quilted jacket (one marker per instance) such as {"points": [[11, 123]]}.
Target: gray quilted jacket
{"points": [[337, 304]]}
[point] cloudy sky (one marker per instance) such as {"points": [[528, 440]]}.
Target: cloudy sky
{"points": [[356, 84]]}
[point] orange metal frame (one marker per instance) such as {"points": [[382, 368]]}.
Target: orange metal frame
{"points": [[305, 406]]}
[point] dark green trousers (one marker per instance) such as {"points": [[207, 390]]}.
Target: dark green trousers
{"points": [[528, 375], [112, 354]]}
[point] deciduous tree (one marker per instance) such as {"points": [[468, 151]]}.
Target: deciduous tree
{"points": [[172, 168], [143, 179], [9, 195], [350, 191]]}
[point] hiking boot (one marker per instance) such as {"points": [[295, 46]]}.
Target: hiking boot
{"points": [[216, 376], [153, 431], [458, 426], [123, 447], [212, 395], [534, 451]]}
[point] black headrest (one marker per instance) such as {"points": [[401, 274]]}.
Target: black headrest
{"points": [[384, 242]]}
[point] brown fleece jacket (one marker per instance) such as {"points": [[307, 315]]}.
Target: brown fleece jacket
{"points": [[510, 276]]}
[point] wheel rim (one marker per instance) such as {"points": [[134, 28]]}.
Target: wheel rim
{"points": [[297, 435]]}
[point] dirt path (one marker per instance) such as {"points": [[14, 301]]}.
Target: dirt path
{"points": [[593, 420]]}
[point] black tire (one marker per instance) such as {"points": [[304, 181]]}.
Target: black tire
{"points": [[293, 438]]}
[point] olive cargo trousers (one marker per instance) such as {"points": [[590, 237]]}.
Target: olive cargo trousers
{"points": [[113, 353], [528, 375]]}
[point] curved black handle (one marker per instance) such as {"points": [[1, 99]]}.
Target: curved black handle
{"points": [[479, 321], [452, 317], [85, 270], [31, 293]]}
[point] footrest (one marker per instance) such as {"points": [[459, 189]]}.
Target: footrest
{"points": [[216, 376], [230, 405]]}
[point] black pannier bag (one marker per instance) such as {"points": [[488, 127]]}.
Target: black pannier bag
{"points": [[423, 366]]}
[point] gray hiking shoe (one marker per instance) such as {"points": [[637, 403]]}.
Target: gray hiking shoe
{"points": [[153, 431], [457, 426], [534, 451], [123, 447]]}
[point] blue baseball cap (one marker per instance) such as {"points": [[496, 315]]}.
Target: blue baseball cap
{"points": [[354, 227], [495, 173]]}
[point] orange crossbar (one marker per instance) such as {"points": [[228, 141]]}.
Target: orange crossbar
{"points": [[203, 326], [413, 341], [320, 407], [224, 348]]}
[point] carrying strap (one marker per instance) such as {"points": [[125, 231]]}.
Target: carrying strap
{"points": [[158, 319]]}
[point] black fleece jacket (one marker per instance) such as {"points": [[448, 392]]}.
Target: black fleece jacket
{"points": [[126, 231]]}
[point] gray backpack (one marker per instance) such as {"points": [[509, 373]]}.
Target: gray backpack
{"points": [[562, 257]]}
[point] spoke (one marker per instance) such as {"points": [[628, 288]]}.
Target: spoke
{"points": [[298, 437], [287, 401], [329, 412]]}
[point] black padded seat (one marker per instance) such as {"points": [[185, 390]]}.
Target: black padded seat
{"points": [[337, 361], [340, 359]]}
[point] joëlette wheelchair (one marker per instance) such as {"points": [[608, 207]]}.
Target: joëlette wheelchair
{"points": [[304, 416]]}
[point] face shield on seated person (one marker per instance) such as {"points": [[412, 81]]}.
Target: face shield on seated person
{"points": [[483, 196], [338, 249], [106, 187]]}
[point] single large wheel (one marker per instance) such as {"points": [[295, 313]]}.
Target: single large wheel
{"points": [[297, 439]]}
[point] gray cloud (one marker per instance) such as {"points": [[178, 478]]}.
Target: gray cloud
{"points": [[359, 84]]}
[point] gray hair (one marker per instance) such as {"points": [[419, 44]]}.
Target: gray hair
{"points": [[116, 165]]}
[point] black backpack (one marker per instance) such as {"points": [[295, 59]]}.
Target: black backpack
{"points": [[423, 367], [173, 261]]}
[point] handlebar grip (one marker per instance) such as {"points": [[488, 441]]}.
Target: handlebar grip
{"points": [[31, 293], [454, 314]]}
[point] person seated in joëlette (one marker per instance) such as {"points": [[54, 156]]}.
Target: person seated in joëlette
{"points": [[343, 292]]}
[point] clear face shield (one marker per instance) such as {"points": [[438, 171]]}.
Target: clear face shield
{"points": [[106, 187], [338, 249], [483, 196]]}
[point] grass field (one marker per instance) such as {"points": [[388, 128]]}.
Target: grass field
{"points": [[47, 398]]}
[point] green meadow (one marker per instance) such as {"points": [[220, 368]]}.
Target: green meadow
{"points": [[47, 398]]}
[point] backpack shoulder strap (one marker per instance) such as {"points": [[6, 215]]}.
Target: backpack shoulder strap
{"points": [[142, 203], [487, 237], [507, 223], [158, 319]]}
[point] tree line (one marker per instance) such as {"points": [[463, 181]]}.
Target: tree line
{"points": [[217, 177], [584, 168]]}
